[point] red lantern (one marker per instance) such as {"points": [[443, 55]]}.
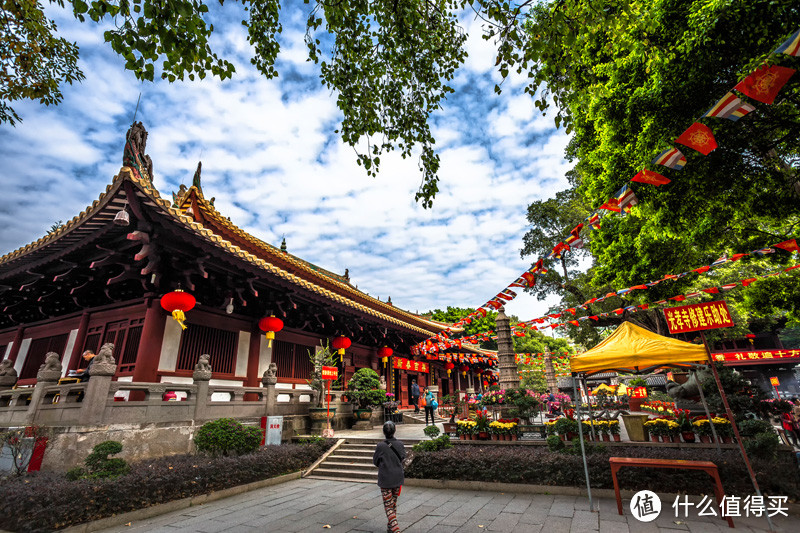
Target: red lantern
{"points": [[449, 366], [464, 370], [485, 383], [178, 302], [385, 353], [340, 344], [270, 325]]}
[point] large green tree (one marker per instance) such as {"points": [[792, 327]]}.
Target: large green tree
{"points": [[627, 78]]}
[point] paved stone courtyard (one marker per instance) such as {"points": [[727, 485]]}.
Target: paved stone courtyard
{"points": [[310, 504]]}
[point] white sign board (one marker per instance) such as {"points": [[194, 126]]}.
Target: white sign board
{"points": [[274, 429]]}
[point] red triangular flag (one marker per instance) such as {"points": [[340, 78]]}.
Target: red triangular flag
{"points": [[678, 298], [748, 281], [619, 311], [765, 83], [593, 317], [643, 306], [701, 270], [699, 137], [791, 268], [789, 246], [571, 310], [648, 176], [736, 257], [574, 322], [612, 205]]}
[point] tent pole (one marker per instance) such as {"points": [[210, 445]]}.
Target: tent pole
{"points": [[591, 416], [580, 438], [733, 424], [705, 406]]}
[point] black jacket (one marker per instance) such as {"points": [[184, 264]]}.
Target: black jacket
{"points": [[389, 463], [414, 390]]}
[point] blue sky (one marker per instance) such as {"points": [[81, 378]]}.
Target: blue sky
{"points": [[272, 160]]}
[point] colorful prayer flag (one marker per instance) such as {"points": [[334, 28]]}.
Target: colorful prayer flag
{"points": [[627, 199], [671, 158], [748, 281], [765, 83], [612, 205], [648, 176], [729, 107], [698, 137], [789, 246], [791, 46]]}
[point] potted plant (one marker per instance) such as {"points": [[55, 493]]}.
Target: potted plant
{"points": [[653, 429], [319, 358], [482, 425], [465, 428], [550, 427], [613, 428], [495, 430], [724, 429], [587, 429], [363, 390], [602, 426], [702, 426], [566, 428]]}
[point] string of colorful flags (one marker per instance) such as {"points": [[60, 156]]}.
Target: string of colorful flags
{"points": [[762, 85], [442, 342]]}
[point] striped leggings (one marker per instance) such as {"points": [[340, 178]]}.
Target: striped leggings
{"points": [[390, 506]]}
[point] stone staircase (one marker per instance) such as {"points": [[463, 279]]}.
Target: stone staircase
{"points": [[409, 417], [352, 461]]}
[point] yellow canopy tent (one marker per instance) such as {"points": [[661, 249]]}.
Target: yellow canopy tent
{"points": [[603, 388], [634, 349]]}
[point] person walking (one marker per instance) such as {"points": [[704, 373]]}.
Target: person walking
{"points": [[388, 457], [415, 395], [430, 405], [789, 427]]}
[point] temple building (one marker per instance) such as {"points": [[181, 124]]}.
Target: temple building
{"points": [[100, 278]]}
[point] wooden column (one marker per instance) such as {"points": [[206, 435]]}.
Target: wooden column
{"points": [[253, 355], [75, 356], [149, 352], [12, 355]]}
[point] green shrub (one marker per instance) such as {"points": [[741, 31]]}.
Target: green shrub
{"points": [[226, 436], [554, 443], [762, 445], [431, 431], [311, 440], [754, 426], [98, 465], [434, 445]]}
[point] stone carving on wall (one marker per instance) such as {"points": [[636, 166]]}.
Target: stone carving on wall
{"points": [[202, 370]]}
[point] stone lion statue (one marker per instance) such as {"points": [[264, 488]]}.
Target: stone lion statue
{"points": [[270, 376], [7, 368], [105, 354], [52, 363], [203, 363]]}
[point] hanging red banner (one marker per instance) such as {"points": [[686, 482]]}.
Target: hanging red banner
{"points": [[408, 364], [707, 315], [761, 356]]}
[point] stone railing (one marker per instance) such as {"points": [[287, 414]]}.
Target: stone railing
{"points": [[101, 401]]}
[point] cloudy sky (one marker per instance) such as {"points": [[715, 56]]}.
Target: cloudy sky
{"points": [[272, 160]]}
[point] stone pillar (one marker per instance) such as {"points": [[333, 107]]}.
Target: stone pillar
{"points": [[268, 380], [201, 377], [103, 368], [549, 372], [15, 344], [49, 374], [509, 376], [8, 375]]}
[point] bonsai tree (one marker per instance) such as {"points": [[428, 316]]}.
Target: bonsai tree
{"points": [[320, 358], [363, 389], [743, 397]]}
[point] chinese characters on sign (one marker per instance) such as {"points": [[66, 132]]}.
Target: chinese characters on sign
{"points": [[756, 355], [645, 506], [774, 381], [330, 372], [707, 315], [639, 392], [408, 364]]}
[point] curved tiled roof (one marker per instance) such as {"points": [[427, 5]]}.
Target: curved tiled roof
{"points": [[303, 276]]}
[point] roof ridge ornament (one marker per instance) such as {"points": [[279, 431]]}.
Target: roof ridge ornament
{"points": [[196, 177], [133, 155]]}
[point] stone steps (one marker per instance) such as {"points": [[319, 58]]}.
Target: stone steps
{"points": [[352, 462]]}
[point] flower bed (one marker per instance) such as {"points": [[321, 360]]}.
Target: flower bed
{"points": [[45, 501], [537, 465]]}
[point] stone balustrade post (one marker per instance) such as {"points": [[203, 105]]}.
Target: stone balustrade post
{"points": [[48, 375], [95, 398], [268, 380], [201, 376], [8, 376]]}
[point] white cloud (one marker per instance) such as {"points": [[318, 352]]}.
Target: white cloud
{"points": [[270, 160]]}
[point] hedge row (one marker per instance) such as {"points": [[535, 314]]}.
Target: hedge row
{"points": [[46, 501], [538, 466]]}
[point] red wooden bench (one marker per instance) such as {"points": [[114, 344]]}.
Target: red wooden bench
{"points": [[706, 466]]}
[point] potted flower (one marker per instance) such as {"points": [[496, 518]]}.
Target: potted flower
{"points": [[702, 426], [603, 428], [319, 358], [653, 429], [613, 428], [363, 390], [482, 425], [465, 429], [587, 429], [550, 427], [496, 430], [684, 425], [513, 430], [566, 428], [724, 429], [673, 431]]}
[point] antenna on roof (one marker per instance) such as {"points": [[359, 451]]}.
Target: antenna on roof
{"points": [[137, 107]]}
